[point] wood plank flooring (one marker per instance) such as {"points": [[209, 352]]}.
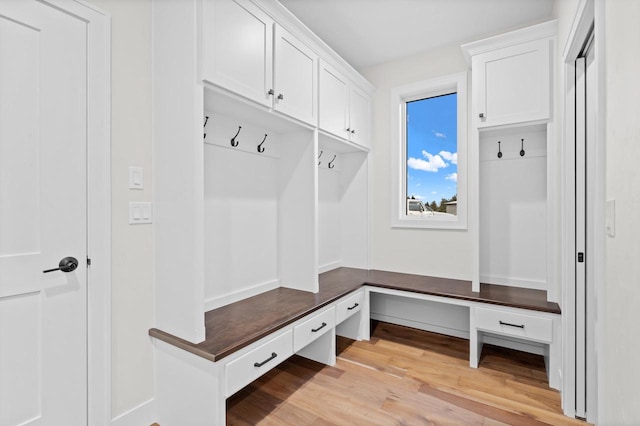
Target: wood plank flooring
{"points": [[402, 376]]}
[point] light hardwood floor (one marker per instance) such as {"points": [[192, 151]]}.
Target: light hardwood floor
{"points": [[402, 376]]}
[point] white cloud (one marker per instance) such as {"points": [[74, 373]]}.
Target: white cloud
{"points": [[431, 164], [439, 135], [449, 156], [453, 177]]}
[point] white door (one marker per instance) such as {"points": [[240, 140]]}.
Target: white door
{"points": [[584, 183], [43, 202]]}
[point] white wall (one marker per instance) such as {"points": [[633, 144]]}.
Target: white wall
{"points": [[418, 251], [621, 329], [132, 246]]}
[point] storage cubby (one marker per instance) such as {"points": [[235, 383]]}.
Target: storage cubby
{"points": [[259, 210], [342, 205], [513, 207]]}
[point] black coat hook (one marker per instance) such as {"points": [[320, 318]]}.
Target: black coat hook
{"points": [[522, 148], [206, 118], [321, 152], [499, 152], [331, 166], [234, 142], [260, 148]]}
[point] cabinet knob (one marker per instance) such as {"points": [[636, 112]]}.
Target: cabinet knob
{"points": [[281, 96], [271, 92], [348, 129], [353, 131], [481, 115]]}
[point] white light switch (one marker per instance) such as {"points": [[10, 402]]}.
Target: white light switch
{"points": [[136, 178], [140, 213]]}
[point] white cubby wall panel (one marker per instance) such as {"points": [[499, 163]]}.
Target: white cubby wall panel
{"points": [[513, 208], [343, 210], [241, 217], [297, 214], [329, 224]]}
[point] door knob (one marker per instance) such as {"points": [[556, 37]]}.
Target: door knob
{"points": [[67, 264]]}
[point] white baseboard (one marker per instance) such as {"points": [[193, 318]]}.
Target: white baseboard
{"points": [[216, 302], [142, 415]]}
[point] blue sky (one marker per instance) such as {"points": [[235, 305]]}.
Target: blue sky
{"points": [[432, 153]]}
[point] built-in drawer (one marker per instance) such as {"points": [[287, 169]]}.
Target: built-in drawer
{"points": [[526, 326], [314, 327], [349, 306], [247, 368]]}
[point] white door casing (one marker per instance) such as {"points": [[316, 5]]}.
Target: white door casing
{"points": [[43, 214]]}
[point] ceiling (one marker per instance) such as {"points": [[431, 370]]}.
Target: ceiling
{"points": [[370, 32]]}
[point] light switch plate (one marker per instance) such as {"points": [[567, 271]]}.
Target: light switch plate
{"points": [[140, 213], [136, 178]]}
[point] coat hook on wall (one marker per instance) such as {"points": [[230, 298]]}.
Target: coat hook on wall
{"points": [[206, 118], [260, 148], [522, 148], [499, 151], [331, 166], [234, 142], [320, 162]]}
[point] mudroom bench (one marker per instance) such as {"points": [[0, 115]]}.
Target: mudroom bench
{"points": [[246, 339]]}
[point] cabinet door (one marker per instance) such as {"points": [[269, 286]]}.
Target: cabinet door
{"points": [[238, 48], [334, 101], [513, 84], [359, 111], [295, 77]]}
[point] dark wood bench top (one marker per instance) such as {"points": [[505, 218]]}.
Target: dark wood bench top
{"points": [[524, 298], [235, 326]]}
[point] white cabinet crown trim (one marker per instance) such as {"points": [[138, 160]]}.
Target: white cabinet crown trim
{"points": [[535, 32]]}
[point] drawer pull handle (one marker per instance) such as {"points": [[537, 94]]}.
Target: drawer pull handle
{"points": [[511, 325], [353, 307], [260, 364], [315, 330]]}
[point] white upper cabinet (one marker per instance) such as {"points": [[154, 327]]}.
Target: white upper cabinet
{"points": [[344, 109], [295, 78], [359, 113], [334, 101], [512, 77], [238, 48], [247, 53]]}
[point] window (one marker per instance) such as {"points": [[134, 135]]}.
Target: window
{"points": [[429, 121]]}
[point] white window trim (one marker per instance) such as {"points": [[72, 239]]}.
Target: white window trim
{"points": [[399, 97]]}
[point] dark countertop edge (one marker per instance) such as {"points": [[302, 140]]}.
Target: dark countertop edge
{"points": [[182, 344]]}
